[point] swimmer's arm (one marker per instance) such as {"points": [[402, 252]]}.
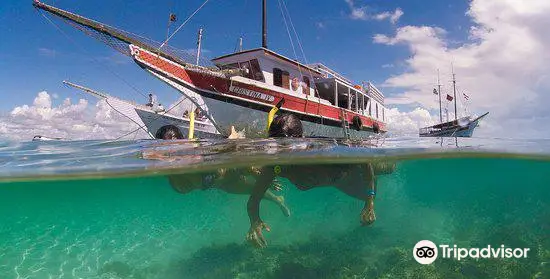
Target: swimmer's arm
{"points": [[371, 194]]}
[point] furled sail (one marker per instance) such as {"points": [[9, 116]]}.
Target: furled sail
{"points": [[119, 39]]}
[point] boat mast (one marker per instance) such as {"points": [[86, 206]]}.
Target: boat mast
{"points": [[199, 40], [439, 93], [454, 90], [264, 24]]}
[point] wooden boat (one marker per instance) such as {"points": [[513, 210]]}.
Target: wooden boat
{"points": [[241, 87], [151, 120], [459, 127]]}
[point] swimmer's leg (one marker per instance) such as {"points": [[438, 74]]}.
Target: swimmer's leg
{"points": [[255, 233], [279, 200], [367, 214]]}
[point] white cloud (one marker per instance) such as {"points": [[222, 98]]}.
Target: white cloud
{"points": [[408, 123], [503, 66], [357, 12], [361, 13], [67, 120], [393, 17], [47, 52]]}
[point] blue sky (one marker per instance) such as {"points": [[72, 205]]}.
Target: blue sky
{"points": [[499, 50], [35, 56]]}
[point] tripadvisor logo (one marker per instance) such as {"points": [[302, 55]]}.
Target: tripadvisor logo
{"points": [[426, 252]]}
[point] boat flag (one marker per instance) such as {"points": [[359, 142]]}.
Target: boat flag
{"points": [[173, 17], [466, 96], [449, 97], [435, 91]]}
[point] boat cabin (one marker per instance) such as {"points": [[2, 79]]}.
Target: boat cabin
{"points": [[271, 70]]}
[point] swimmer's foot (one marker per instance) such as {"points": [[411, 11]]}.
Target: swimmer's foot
{"points": [[367, 215], [282, 205], [255, 234]]}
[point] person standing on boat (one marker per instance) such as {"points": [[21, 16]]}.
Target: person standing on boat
{"points": [[152, 100]]}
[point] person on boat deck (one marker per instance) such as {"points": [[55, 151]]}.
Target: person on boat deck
{"points": [[186, 114], [160, 108], [355, 180], [152, 100], [198, 113]]}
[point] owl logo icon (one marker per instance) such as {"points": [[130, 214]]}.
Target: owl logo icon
{"points": [[425, 252]]}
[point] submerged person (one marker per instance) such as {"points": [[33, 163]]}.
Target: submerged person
{"points": [[233, 181], [355, 180]]}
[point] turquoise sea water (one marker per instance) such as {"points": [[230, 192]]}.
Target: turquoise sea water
{"points": [[99, 210]]}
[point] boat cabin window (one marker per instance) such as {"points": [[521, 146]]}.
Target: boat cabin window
{"points": [[362, 104], [286, 80], [252, 70], [326, 91], [376, 110], [277, 77], [247, 72], [370, 108], [256, 70], [343, 101], [305, 87], [281, 78], [230, 66], [353, 101]]}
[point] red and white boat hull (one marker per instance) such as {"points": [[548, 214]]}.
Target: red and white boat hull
{"points": [[241, 103]]}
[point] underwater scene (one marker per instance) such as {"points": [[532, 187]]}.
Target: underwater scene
{"points": [[152, 209]]}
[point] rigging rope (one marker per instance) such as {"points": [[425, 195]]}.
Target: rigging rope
{"points": [[312, 80], [114, 73], [91, 56], [155, 119], [183, 24]]}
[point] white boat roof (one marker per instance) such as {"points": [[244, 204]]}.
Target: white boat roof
{"points": [[268, 52]]}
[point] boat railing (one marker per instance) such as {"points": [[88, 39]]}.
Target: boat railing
{"points": [[374, 93], [330, 73]]}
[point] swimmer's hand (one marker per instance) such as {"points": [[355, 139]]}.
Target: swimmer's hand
{"points": [[255, 236], [367, 214]]}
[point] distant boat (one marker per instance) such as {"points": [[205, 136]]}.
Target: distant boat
{"points": [[462, 127], [151, 120], [43, 138], [459, 127]]}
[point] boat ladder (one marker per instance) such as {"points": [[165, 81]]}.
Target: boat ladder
{"points": [[345, 124]]}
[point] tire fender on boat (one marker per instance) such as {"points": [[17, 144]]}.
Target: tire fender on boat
{"points": [[357, 123], [376, 128]]}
